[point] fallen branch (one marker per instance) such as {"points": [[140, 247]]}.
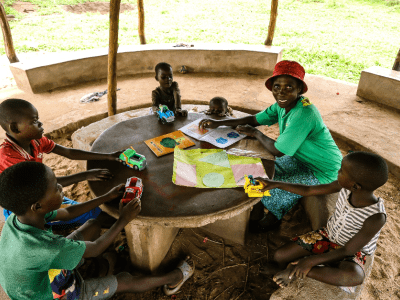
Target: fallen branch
{"points": [[223, 292]]}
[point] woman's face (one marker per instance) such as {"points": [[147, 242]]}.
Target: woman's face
{"points": [[286, 91]]}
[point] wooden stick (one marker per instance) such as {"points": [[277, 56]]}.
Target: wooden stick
{"points": [[272, 22], [112, 57], [8, 41], [396, 65], [141, 22]]}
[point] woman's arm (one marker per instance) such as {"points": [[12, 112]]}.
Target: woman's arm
{"points": [[370, 228], [210, 123]]}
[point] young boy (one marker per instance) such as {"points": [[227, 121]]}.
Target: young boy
{"points": [[351, 233], [168, 92], [25, 142], [219, 106], [36, 264]]}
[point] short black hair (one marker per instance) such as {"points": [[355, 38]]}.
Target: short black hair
{"points": [[220, 100], [368, 169], [11, 108], [22, 185], [162, 66]]}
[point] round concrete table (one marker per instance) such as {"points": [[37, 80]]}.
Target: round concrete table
{"points": [[166, 207]]}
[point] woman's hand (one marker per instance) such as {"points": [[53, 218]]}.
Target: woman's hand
{"points": [[98, 175], [302, 267], [208, 123], [116, 192], [267, 183], [247, 130]]}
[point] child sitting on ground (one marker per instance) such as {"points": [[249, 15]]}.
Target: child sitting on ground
{"points": [[219, 106], [25, 142], [37, 264], [351, 233], [168, 92]]}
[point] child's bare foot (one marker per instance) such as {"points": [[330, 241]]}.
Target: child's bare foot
{"points": [[282, 278]]}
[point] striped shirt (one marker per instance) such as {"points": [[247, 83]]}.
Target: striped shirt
{"points": [[347, 220]]}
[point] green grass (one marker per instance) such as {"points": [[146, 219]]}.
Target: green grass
{"points": [[334, 38]]}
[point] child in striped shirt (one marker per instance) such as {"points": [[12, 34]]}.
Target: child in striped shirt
{"points": [[351, 232]]}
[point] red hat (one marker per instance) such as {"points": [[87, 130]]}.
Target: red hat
{"points": [[288, 67]]}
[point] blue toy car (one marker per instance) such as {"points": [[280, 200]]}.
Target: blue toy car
{"points": [[165, 115]]}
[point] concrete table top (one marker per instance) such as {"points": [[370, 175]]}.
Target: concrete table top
{"points": [[164, 202]]}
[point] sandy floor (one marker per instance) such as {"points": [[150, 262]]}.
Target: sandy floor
{"points": [[224, 271]]}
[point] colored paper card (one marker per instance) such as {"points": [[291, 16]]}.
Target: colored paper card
{"points": [[220, 137], [213, 168], [166, 143]]}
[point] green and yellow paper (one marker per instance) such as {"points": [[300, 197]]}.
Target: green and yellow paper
{"points": [[213, 168]]}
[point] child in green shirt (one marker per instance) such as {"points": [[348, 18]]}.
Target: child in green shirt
{"points": [[37, 264]]}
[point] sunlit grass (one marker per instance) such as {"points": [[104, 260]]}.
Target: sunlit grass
{"points": [[334, 38]]}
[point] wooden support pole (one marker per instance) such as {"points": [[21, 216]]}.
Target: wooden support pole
{"points": [[396, 65], [8, 42], [112, 57], [141, 22], [272, 22]]}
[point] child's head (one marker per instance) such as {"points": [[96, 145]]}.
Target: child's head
{"points": [[29, 186], [164, 74], [218, 105], [286, 82], [20, 119], [363, 170]]}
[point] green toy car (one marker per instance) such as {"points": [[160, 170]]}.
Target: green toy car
{"points": [[133, 160]]}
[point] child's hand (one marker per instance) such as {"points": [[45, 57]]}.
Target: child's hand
{"points": [[247, 130], [129, 211], [207, 123], [115, 155], [268, 184], [181, 112], [98, 175], [116, 192], [301, 267], [208, 112]]}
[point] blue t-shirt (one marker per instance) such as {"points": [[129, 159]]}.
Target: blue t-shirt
{"points": [[27, 256], [304, 136]]}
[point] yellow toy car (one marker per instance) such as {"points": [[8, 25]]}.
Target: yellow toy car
{"points": [[252, 187]]}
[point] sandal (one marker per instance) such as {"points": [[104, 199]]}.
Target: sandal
{"points": [[187, 268]]}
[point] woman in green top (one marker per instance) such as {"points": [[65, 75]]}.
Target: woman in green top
{"points": [[305, 150]]}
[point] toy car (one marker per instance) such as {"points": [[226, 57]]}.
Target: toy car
{"points": [[132, 159], [165, 115], [252, 187], [133, 189]]}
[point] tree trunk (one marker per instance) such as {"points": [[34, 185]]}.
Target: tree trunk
{"points": [[112, 57], [272, 22], [396, 66], [8, 42], [141, 22]]}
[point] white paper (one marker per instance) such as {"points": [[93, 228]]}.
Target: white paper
{"points": [[220, 137]]}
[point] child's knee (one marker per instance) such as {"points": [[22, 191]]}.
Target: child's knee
{"points": [[355, 274], [280, 256]]}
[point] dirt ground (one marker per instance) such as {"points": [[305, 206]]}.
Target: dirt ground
{"points": [[230, 271]]}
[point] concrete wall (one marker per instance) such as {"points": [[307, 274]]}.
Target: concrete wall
{"points": [[72, 68], [380, 85]]}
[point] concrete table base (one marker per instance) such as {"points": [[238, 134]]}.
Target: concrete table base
{"points": [[233, 229]]}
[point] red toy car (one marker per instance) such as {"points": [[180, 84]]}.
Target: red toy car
{"points": [[133, 189]]}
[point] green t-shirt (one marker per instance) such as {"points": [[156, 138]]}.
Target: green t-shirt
{"points": [[304, 136], [28, 253]]}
